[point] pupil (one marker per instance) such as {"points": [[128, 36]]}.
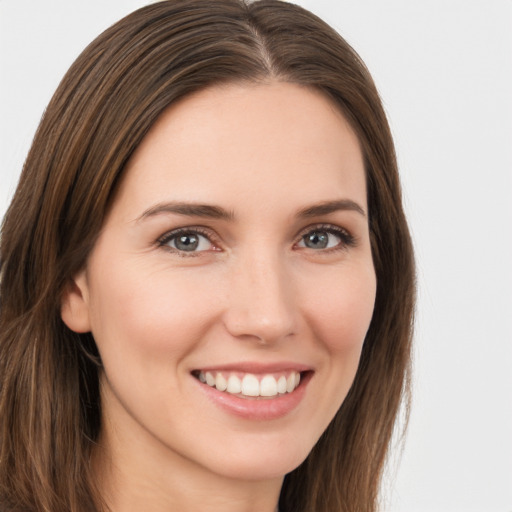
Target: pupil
{"points": [[187, 242], [317, 240]]}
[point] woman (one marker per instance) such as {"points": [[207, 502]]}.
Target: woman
{"points": [[207, 279]]}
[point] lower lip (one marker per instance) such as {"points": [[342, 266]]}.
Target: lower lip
{"points": [[258, 409]]}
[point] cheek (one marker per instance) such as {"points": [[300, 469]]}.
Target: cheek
{"points": [[341, 310], [150, 310]]}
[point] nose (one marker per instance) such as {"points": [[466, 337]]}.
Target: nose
{"points": [[261, 301]]}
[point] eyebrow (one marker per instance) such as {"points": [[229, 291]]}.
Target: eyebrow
{"points": [[328, 207], [216, 212], [189, 210]]}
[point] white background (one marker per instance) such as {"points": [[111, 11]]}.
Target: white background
{"points": [[444, 69]]}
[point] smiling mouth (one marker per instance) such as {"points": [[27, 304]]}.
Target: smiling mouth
{"points": [[250, 385]]}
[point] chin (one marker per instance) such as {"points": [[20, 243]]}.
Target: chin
{"points": [[262, 459]]}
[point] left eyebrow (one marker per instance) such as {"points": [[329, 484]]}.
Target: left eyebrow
{"points": [[327, 207], [189, 210]]}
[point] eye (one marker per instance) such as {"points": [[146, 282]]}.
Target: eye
{"points": [[187, 241], [326, 237]]}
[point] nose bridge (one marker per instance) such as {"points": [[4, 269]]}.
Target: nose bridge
{"points": [[261, 301]]}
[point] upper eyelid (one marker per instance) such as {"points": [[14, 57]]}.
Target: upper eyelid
{"points": [[325, 226], [200, 230]]}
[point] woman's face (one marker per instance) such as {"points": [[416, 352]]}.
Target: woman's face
{"points": [[237, 252]]}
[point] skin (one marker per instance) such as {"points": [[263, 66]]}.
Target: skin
{"points": [[252, 292]]}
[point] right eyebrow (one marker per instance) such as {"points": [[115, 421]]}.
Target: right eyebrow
{"points": [[327, 207], [187, 209]]}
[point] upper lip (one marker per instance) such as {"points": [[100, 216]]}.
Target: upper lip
{"points": [[257, 367]]}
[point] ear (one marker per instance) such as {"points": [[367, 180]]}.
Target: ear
{"points": [[74, 309]]}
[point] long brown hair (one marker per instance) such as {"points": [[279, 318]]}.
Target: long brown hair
{"points": [[50, 411]]}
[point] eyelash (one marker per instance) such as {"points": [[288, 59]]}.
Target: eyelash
{"points": [[193, 230], [346, 239]]}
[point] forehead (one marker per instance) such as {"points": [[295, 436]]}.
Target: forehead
{"points": [[244, 140]]}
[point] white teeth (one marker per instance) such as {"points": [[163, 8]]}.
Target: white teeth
{"points": [[290, 383], [250, 385], [210, 379], [268, 386], [281, 384], [234, 385], [220, 382]]}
